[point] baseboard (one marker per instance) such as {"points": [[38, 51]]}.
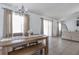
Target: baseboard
{"points": [[70, 40]]}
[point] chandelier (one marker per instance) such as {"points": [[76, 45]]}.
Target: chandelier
{"points": [[21, 11]]}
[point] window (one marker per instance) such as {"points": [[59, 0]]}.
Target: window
{"points": [[47, 27], [59, 26], [17, 23]]}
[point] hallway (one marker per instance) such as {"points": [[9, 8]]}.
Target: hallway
{"points": [[62, 47]]}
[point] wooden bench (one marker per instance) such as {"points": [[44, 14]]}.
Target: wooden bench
{"points": [[28, 51]]}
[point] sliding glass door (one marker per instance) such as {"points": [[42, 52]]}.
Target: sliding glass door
{"points": [[50, 28], [59, 30], [47, 27]]}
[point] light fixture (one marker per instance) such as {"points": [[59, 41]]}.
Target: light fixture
{"points": [[21, 11]]}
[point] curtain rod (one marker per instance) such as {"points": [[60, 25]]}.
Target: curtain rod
{"points": [[6, 8]]}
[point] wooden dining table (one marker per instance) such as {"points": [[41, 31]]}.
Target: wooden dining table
{"points": [[6, 43]]}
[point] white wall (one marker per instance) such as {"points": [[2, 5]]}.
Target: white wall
{"points": [[71, 22], [1, 21], [54, 28], [35, 23], [71, 25], [2, 18]]}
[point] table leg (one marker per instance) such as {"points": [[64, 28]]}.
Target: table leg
{"points": [[3, 51], [46, 49], [41, 52]]}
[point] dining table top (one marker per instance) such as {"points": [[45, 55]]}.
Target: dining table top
{"points": [[4, 42]]}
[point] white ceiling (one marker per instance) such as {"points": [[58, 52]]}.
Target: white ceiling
{"points": [[57, 10]]}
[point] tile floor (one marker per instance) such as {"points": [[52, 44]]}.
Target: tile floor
{"points": [[57, 46]]}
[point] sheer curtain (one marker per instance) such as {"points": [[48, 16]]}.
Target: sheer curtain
{"points": [[7, 25], [18, 23], [47, 27], [26, 23], [14, 23]]}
